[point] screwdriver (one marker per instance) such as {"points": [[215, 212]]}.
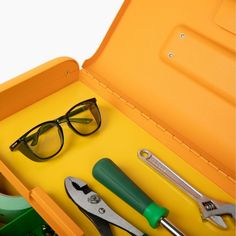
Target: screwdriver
{"points": [[111, 176]]}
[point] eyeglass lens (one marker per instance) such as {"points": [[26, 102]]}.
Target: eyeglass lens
{"points": [[84, 118], [45, 140]]}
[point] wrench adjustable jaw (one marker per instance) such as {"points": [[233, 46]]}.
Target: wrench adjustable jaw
{"points": [[212, 210], [207, 208], [224, 209]]}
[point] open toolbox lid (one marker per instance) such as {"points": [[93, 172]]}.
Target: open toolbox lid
{"points": [[174, 63]]}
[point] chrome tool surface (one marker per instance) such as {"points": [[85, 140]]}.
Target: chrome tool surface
{"points": [[99, 213], [211, 209]]}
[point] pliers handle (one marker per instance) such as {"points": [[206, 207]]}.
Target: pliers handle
{"points": [[102, 225]]}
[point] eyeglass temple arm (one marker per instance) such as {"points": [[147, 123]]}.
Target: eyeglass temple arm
{"points": [[45, 128], [60, 120]]}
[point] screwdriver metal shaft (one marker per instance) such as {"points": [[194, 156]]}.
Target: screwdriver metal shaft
{"points": [[111, 176], [170, 227]]}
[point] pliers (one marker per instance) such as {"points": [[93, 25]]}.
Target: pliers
{"points": [[99, 213]]}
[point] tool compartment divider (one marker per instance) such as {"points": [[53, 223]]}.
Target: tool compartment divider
{"points": [[44, 205], [36, 84]]}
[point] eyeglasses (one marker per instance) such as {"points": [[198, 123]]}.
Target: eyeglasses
{"points": [[46, 140]]}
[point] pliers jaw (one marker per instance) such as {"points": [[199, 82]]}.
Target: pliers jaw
{"points": [[76, 189], [92, 205]]}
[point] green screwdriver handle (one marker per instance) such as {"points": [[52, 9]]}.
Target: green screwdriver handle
{"points": [[111, 176]]}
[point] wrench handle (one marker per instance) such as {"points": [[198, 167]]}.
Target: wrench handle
{"points": [[173, 177]]}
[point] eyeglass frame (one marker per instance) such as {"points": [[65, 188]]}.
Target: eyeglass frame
{"points": [[21, 145]]}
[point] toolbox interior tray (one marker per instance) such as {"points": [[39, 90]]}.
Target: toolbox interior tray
{"points": [[136, 77]]}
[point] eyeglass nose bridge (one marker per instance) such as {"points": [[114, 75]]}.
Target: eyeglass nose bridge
{"points": [[61, 119]]}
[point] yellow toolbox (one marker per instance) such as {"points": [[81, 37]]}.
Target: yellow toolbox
{"points": [[164, 80]]}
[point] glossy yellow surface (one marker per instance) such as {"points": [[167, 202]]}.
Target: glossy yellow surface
{"points": [[119, 138], [167, 65]]}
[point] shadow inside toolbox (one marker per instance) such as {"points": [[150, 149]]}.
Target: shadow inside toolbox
{"points": [[6, 187], [17, 217]]}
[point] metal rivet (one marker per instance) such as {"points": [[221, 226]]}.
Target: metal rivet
{"points": [[170, 55], [101, 210], [94, 199], [182, 35]]}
